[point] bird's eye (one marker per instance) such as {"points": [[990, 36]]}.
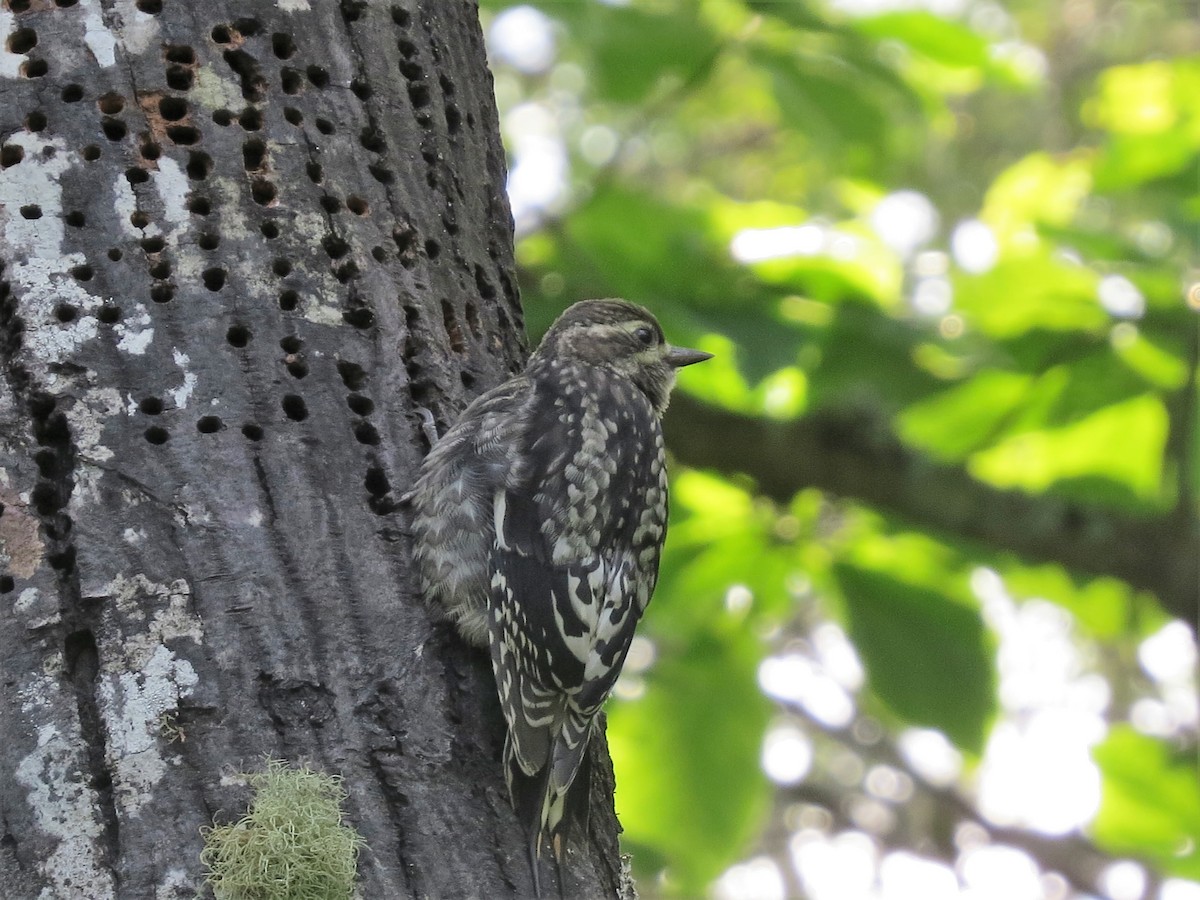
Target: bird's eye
{"points": [[645, 335]]}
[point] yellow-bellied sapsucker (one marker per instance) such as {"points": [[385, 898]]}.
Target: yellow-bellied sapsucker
{"points": [[539, 518]]}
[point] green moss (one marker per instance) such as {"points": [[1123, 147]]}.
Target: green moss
{"points": [[290, 845]]}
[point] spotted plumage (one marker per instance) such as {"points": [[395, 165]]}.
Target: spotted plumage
{"points": [[539, 518]]}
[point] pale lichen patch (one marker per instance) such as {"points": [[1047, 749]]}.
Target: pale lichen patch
{"points": [[99, 39], [37, 610], [133, 705], [183, 393], [134, 333], [139, 31], [10, 63], [62, 803], [171, 182], [142, 680], [215, 92]]}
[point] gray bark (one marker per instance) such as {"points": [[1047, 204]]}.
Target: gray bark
{"points": [[248, 249]]}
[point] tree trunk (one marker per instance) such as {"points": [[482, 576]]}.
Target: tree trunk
{"points": [[250, 252]]}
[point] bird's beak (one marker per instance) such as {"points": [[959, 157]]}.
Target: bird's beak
{"points": [[678, 357]]}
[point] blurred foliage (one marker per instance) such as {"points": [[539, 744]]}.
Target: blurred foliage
{"points": [[977, 226]]}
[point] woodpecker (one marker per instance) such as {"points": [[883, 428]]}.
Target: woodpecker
{"points": [[538, 522]]}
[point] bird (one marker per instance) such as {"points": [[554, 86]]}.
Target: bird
{"points": [[539, 518]]}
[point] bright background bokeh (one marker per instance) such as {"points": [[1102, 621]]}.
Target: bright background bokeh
{"points": [[967, 227]]}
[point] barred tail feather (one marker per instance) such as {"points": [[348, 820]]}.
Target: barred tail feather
{"points": [[556, 796]]}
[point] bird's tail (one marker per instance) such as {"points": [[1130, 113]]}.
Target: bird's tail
{"points": [[550, 800]]}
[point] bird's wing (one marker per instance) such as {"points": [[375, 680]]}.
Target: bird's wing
{"points": [[568, 585]]}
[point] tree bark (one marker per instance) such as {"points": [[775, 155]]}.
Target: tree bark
{"points": [[250, 251]]}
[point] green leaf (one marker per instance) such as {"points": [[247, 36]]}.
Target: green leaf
{"points": [[690, 789], [1114, 454], [1150, 806], [925, 653], [935, 37]]}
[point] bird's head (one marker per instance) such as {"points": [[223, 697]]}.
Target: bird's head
{"points": [[621, 337]]}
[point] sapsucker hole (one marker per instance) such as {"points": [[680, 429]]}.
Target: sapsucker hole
{"points": [[183, 135], [151, 151], [290, 344], [72, 93], [297, 368], [222, 117], [115, 254], [315, 172], [135, 175], [31, 211], [108, 314], [65, 313], [269, 230], [324, 126], [76, 219], [81, 273], [432, 249], [294, 407], [22, 40], [153, 244], [199, 206], [254, 154], [47, 462], [353, 375], [7, 585], [114, 130], [291, 80], [162, 292], [33, 68], [382, 174], [335, 246], [238, 336], [318, 76], [172, 109], [360, 405], [282, 45], [357, 205], [288, 300], [180, 78], [209, 241], [263, 191], [151, 406], [330, 204], [91, 152], [161, 269], [35, 122], [252, 432], [359, 317], [292, 115], [281, 267], [365, 433], [10, 155], [214, 278], [209, 424], [139, 219], [376, 481], [156, 434], [379, 254], [200, 164], [250, 119]]}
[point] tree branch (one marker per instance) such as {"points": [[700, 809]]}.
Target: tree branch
{"points": [[853, 455]]}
